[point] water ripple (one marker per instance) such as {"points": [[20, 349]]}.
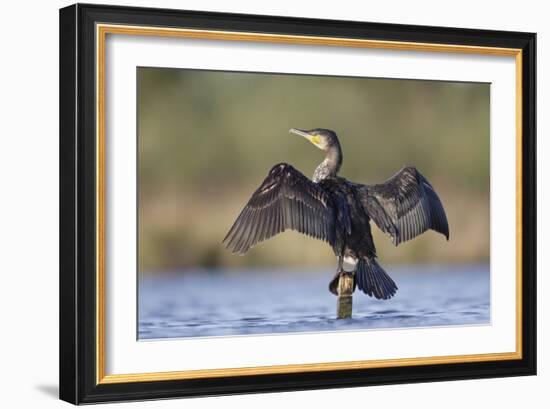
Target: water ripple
{"points": [[286, 302]]}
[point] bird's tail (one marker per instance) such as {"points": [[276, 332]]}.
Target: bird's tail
{"points": [[373, 280]]}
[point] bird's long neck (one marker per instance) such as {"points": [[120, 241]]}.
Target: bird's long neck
{"points": [[330, 166]]}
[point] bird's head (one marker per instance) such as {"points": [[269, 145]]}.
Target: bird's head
{"points": [[324, 139]]}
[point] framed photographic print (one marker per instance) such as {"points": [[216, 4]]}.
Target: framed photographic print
{"points": [[257, 203]]}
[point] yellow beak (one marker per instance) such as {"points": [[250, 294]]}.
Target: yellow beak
{"points": [[314, 139]]}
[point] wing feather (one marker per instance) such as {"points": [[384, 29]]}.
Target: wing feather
{"points": [[285, 200], [404, 206]]}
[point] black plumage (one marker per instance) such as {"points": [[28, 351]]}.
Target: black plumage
{"points": [[332, 209], [285, 200]]}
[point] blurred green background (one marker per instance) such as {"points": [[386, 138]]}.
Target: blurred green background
{"points": [[207, 140]]}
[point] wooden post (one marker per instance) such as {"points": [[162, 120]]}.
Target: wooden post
{"points": [[345, 294]]}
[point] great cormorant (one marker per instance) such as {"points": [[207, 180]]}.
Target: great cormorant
{"points": [[335, 210]]}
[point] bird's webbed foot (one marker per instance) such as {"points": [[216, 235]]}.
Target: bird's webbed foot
{"points": [[333, 285]]}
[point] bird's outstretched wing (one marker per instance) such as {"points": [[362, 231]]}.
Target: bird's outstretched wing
{"points": [[285, 200], [404, 206]]}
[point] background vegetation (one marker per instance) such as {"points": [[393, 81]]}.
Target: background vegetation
{"points": [[207, 140]]}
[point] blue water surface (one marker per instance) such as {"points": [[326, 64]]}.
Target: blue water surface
{"points": [[213, 303]]}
